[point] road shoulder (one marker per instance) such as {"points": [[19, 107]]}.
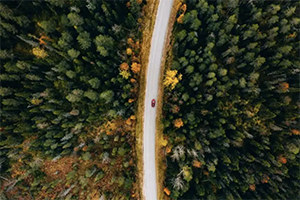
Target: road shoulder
{"points": [[150, 11], [160, 157]]}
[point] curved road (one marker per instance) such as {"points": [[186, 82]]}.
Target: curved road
{"points": [[153, 71]]}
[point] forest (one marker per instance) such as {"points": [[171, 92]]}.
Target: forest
{"points": [[231, 101], [69, 84]]}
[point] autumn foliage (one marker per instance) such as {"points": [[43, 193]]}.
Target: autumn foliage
{"points": [[265, 179], [295, 132], [135, 67], [171, 79], [238, 100], [39, 53], [180, 19], [252, 187], [124, 66], [68, 71], [282, 159], [181, 16], [283, 86], [128, 51], [178, 123], [167, 191], [197, 164], [125, 74]]}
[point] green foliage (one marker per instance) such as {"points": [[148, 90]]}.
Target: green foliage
{"points": [[75, 19], [95, 83], [73, 53], [75, 96], [104, 44], [91, 95], [99, 176], [86, 156], [70, 74], [84, 40], [122, 151], [222, 72], [51, 107], [57, 3], [238, 102], [107, 95], [65, 40], [48, 26]]}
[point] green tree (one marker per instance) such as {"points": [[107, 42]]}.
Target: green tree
{"points": [[107, 96], [75, 96], [104, 44], [95, 83], [75, 19], [84, 40], [65, 41], [49, 26], [57, 3], [73, 53], [189, 69], [92, 95]]}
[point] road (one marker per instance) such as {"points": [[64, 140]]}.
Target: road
{"points": [[153, 71]]}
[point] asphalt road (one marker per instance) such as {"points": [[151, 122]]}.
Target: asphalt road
{"points": [[153, 71]]}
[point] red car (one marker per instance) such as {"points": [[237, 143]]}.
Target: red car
{"points": [[153, 103]]}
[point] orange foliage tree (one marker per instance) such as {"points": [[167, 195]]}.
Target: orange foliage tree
{"points": [[178, 123], [130, 42], [167, 191], [295, 132], [283, 86], [197, 164], [252, 187], [282, 159], [135, 67], [124, 66]]}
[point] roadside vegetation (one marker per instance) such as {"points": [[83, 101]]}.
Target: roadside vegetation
{"points": [[69, 86], [231, 101]]}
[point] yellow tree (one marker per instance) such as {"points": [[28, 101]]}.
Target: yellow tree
{"points": [[36, 101], [179, 19], [163, 142], [128, 51], [39, 53], [171, 80], [183, 8], [131, 100], [125, 74]]}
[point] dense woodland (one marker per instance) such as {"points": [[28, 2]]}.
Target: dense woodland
{"points": [[69, 83], [231, 104]]}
